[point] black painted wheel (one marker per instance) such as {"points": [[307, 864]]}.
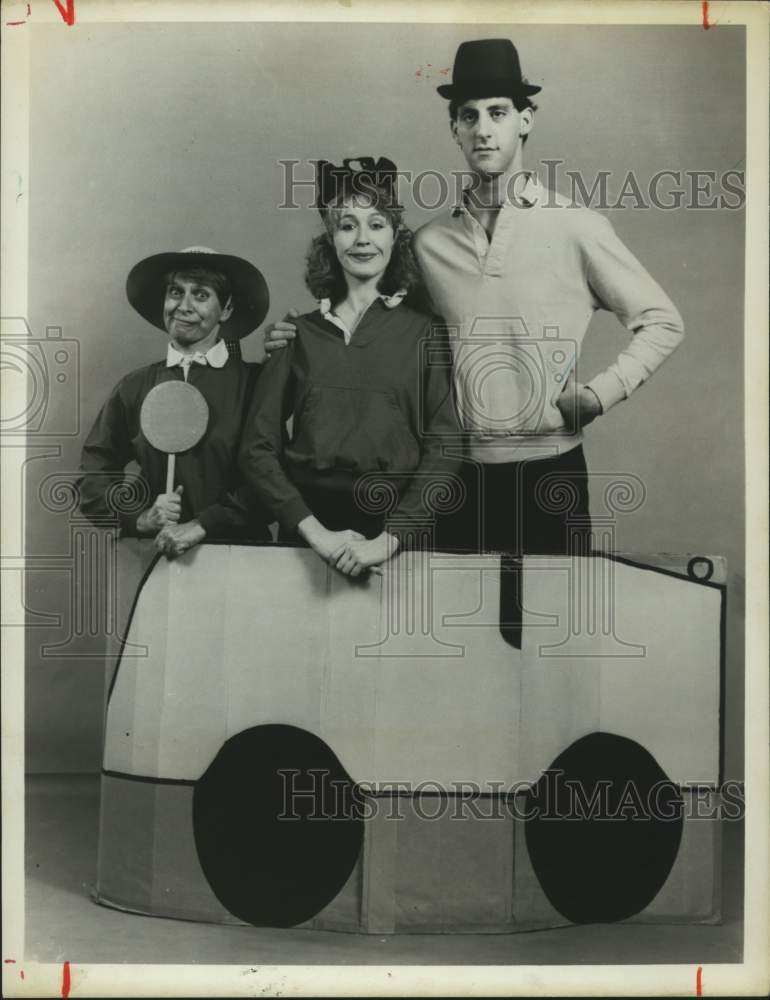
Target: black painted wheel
{"points": [[604, 829], [276, 825]]}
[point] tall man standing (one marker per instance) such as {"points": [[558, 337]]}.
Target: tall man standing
{"points": [[517, 272], [518, 276]]}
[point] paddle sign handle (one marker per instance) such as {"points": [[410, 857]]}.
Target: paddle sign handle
{"points": [[170, 473], [173, 418]]}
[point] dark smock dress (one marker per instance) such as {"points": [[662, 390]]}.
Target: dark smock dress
{"points": [[214, 492]]}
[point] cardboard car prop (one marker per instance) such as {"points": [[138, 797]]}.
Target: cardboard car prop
{"points": [[467, 743]]}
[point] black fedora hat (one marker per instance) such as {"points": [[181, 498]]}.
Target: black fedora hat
{"points": [[486, 68], [146, 287]]}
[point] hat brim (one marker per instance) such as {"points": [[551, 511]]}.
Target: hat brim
{"points": [[145, 288], [452, 92]]}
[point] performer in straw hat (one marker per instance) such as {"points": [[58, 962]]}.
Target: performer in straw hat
{"points": [[206, 302]]}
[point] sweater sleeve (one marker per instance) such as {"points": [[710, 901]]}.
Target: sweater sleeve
{"points": [[435, 483], [623, 286], [103, 486], [264, 439], [235, 515]]}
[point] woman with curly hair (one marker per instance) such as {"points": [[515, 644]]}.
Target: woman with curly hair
{"points": [[366, 383]]}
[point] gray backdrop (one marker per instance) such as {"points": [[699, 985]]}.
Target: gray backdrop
{"points": [[153, 137]]}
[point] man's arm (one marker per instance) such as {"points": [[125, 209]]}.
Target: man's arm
{"points": [[623, 286]]}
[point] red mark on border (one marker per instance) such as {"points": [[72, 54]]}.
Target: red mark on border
{"points": [[14, 24], [65, 972], [699, 982], [10, 961], [429, 70], [705, 8], [68, 12]]}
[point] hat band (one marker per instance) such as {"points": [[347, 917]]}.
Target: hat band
{"points": [[481, 83]]}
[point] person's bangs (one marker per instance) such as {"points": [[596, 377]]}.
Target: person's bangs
{"points": [[380, 199], [219, 282]]}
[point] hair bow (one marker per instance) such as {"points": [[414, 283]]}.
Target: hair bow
{"points": [[357, 175]]}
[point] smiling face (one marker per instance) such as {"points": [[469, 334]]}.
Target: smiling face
{"points": [[192, 312], [489, 131], [363, 240]]}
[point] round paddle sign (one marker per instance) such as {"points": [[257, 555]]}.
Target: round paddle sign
{"points": [[174, 417]]}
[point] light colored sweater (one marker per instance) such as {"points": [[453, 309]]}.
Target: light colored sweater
{"points": [[518, 310]]}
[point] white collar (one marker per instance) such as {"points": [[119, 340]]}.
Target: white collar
{"points": [[325, 306], [528, 196], [215, 356]]}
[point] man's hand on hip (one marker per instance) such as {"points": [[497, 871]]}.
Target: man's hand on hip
{"points": [[578, 404]]}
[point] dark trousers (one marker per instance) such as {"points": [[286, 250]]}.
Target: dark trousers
{"points": [[535, 507]]}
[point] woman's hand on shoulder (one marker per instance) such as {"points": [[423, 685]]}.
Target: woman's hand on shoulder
{"points": [[365, 554], [278, 334]]}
